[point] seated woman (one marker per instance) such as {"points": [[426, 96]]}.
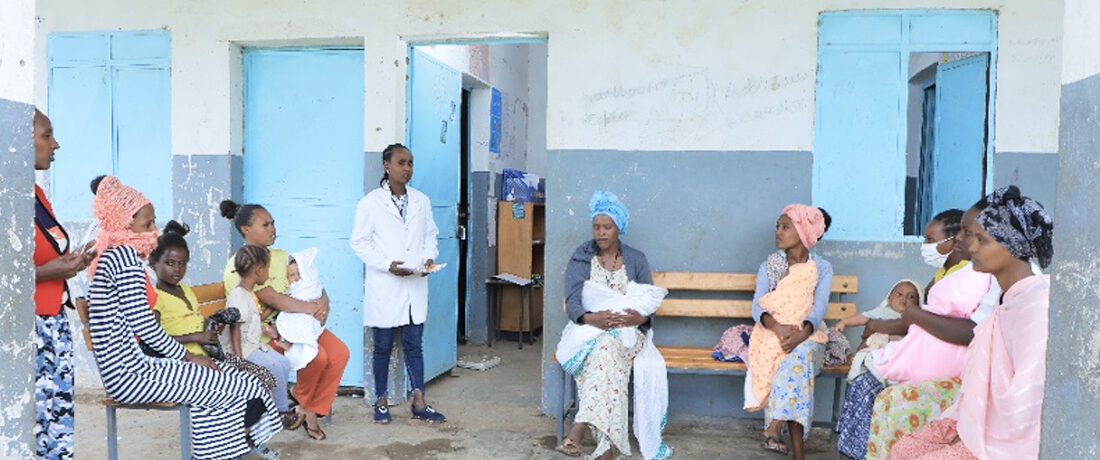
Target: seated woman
{"points": [[920, 355], [317, 383], [786, 349], [604, 372], [997, 413], [231, 413]]}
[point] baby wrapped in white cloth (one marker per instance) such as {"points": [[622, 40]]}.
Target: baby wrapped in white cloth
{"points": [[301, 329]]}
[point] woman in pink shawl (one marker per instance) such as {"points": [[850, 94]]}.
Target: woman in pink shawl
{"points": [[997, 413]]}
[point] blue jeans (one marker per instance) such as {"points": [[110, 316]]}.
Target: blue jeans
{"points": [[411, 340]]}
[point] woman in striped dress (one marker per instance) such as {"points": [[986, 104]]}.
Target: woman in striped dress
{"points": [[230, 410]]}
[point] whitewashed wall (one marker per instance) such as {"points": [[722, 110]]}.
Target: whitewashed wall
{"points": [[624, 75]]}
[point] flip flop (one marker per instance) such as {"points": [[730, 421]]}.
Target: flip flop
{"points": [[316, 435], [775, 444], [265, 452], [292, 420], [568, 447]]}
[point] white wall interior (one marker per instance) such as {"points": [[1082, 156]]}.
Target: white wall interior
{"points": [[614, 81]]}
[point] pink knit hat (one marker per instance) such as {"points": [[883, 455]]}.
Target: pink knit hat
{"points": [[115, 205], [808, 221]]}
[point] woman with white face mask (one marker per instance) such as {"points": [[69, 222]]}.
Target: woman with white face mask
{"points": [[933, 350]]}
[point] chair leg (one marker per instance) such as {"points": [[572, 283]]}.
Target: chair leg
{"points": [[185, 432], [112, 434], [563, 405], [328, 418]]}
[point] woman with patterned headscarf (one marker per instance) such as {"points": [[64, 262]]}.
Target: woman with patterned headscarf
{"points": [[786, 349], [997, 413], [603, 365], [231, 413]]}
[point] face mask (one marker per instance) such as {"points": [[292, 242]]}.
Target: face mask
{"points": [[931, 255]]}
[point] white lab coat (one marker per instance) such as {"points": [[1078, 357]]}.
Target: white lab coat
{"points": [[381, 237]]}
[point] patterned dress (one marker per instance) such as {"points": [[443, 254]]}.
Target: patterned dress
{"points": [[904, 408], [603, 382], [53, 387], [119, 310]]}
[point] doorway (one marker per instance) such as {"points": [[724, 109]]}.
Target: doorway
{"points": [[461, 141]]}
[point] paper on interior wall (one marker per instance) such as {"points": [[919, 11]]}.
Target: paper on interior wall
{"points": [[495, 119], [492, 233]]}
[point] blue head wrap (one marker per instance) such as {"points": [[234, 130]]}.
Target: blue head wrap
{"points": [[608, 204]]}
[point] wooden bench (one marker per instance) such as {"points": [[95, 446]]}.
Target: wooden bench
{"points": [[211, 298], [698, 360]]}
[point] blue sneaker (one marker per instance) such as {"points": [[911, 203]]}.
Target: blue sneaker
{"points": [[428, 414], [381, 414]]}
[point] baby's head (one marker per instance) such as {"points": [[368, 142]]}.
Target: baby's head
{"points": [[292, 273], [903, 295]]}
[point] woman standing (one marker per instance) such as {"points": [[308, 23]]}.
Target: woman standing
{"points": [[317, 383], [394, 233], [231, 414], [53, 345], [791, 298], [602, 381]]}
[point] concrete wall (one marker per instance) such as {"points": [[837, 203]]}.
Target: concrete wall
{"points": [[713, 211], [729, 122], [17, 371], [1073, 344]]}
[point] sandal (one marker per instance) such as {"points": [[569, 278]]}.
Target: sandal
{"points": [[775, 444], [316, 435], [265, 452], [568, 447]]}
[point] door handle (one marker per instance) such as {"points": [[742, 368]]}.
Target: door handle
{"points": [[460, 232]]}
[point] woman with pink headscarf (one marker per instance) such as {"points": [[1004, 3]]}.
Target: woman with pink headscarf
{"points": [[786, 349], [231, 413]]}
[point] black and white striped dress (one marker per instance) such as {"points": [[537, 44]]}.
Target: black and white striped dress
{"points": [[120, 310]]}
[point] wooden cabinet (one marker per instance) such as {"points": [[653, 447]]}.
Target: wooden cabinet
{"points": [[521, 243]]}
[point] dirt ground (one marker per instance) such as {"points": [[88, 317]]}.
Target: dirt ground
{"points": [[491, 414]]}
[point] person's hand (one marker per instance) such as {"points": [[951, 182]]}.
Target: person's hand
{"points": [[208, 337], [630, 318], [270, 331], [88, 252], [428, 267], [63, 267], [792, 337], [320, 310], [839, 327], [203, 361], [909, 314], [870, 328], [600, 319], [398, 270]]}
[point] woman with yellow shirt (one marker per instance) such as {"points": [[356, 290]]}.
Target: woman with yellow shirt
{"points": [[177, 307]]}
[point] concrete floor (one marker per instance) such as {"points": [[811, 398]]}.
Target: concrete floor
{"points": [[491, 414]]}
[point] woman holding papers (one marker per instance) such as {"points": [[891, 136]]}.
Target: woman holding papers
{"points": [[395, 236]]}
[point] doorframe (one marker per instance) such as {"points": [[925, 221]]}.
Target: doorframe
{"points": [[472, 84]]}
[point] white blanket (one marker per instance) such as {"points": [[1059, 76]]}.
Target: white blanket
{"points": [[301, 329], [650, 374]]}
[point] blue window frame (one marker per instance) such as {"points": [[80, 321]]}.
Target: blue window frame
{"points": [[859, 164], [110, 102]]}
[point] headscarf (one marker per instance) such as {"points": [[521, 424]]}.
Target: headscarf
{"points": [[1018, 223], [608, 204], [920, 293], [115, 205], [808, 221]]}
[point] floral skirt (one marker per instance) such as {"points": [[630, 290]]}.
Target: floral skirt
{"points": [[905, 408], [854, 423], [603, 393], [53, 387], [792, 392]]}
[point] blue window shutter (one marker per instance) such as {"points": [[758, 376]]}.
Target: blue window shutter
{"points": [[109, 101]]}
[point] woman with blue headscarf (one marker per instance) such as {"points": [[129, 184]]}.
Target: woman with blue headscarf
{"points": [[605, 372]]}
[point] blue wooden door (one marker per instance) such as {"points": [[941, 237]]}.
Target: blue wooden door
{"points": [[435, 95], [303, 161], [960, 132]]}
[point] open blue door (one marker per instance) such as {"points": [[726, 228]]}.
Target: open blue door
{"points": [[303, 161], [435, 98], [960, 132]]}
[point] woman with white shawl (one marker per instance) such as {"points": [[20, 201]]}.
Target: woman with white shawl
{"points": [[609, 298]]}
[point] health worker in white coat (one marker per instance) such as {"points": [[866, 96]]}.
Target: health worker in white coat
{"points": [[395, 237]]}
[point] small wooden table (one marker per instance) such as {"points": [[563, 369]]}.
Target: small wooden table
{"points": [[526, 291]]}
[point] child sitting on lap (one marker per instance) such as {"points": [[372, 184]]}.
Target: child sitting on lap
{"points": [[905, 294]]}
